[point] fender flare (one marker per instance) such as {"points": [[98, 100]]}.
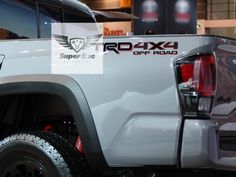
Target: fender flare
{"points": [[69, 90]]}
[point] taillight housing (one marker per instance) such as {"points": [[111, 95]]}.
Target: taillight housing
{"points": [[197, 83]]}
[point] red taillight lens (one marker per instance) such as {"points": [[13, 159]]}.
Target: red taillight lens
{"points": [[207, 75], [200, 74], [197, 79], [187, 71]]}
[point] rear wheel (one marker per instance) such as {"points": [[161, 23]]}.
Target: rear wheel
{"points": [[40, 154]]}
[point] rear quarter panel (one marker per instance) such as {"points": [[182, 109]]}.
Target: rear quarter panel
{"points": [[134, 103]]}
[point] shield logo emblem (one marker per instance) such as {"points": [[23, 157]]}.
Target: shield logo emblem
{"points": [[77, 44]]}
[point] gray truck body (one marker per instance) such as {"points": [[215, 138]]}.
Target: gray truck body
{"points": [[135, 105]]}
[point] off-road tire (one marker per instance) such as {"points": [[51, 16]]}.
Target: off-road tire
{"points": [[53, 155]]}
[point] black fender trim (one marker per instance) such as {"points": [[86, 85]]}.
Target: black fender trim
{"points": [[78, 104]]}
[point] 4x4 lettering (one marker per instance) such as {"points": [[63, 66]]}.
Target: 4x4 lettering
{"points": [[158, 45], [173, 45], [141, 45]]}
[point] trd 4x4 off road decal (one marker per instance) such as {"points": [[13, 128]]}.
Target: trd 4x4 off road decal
{"points": [[144, 48]]}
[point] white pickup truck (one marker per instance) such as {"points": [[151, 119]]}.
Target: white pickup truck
{"points": [[164, 102]]}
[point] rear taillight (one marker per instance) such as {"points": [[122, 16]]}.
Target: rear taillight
{"points": [[196, 83]]}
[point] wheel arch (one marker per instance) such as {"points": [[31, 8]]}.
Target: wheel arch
{"points": [[70, 91]]}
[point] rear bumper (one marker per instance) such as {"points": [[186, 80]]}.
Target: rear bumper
{"points": [[201, 147]]}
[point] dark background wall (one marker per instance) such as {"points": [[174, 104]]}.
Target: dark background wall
{"points": [[170, 20], [158, 26], [174, 27]]}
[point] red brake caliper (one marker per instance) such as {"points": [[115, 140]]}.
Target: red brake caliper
{"points": [[48, 128], [79, 145]]}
